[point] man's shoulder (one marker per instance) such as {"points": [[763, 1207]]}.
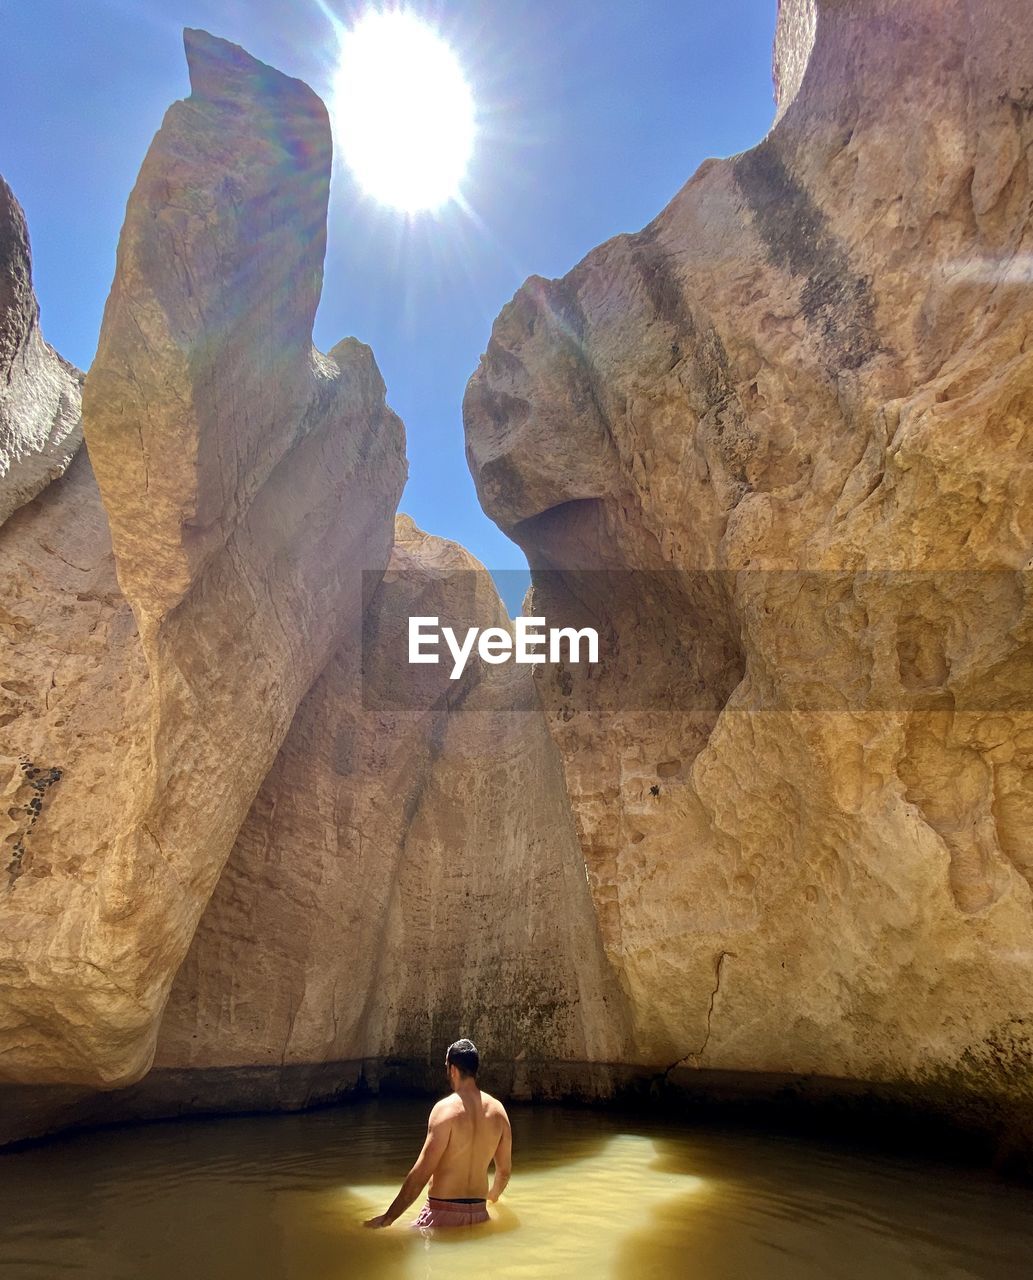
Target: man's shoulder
{"points": [[493, 1105], [445, 1109]]}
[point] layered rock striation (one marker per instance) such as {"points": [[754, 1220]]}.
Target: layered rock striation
{"points": [[777, 447]]}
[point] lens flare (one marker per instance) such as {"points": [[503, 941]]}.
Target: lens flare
{"points": [[403, 111]]}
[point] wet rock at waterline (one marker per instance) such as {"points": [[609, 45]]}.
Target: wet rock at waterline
{"points": [[40, 393], [245, 478], [810, 841]]}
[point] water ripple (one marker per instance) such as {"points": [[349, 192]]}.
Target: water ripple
{"points": [[593, 1195]]}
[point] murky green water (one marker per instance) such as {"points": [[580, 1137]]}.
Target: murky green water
{"points": [[593, 1195]]}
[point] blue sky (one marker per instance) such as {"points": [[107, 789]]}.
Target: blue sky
{"points": [[593, 114]]}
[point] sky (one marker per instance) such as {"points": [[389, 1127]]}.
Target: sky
{"points": [[591, 115]]}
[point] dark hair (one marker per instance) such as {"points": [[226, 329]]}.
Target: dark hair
{"points": [[463, 1054]]}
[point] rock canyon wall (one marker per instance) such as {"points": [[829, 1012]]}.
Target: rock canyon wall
{"points": [[777, 447], [409, 870], [247, 846], [245, 479]]}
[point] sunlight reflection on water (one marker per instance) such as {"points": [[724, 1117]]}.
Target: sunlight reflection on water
{"points": [[603, 1197]]}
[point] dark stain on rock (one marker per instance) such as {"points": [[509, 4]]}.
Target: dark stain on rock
{"points": [[711, 390], [38, 779], [662, 288], [558, 301], [1020, 98], [501, 480], [796, 233]]}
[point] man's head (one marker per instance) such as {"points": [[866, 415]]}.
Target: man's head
{"points": [[462, 1061]]}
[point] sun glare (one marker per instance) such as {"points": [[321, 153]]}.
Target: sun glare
{"points": [[404, 114]]}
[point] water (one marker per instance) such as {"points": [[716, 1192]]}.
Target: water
{"points": [[593, 1195]]}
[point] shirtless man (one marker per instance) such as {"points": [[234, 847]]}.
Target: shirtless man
{"points": [[466, 1131]]}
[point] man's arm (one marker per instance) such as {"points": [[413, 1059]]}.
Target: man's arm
{"points": [[438, 1129], [503, 1160]]}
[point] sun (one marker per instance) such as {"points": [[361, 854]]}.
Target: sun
{"points": [[403, 111]]}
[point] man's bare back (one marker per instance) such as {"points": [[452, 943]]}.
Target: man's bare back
{"points": [[465, 1133], [474, 1123]]}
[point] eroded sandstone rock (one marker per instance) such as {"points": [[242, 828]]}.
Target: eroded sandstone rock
{"points": [[40, 393], [783, 435], [409, 871], [247, 481], [776, 447]]}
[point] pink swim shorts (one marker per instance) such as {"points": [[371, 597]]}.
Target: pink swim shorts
{"points": [[452, 1213]]}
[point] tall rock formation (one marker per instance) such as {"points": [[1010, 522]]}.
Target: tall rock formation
{"points": [[40, 393], [778, 447], [246, 481], [408, 873]]}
